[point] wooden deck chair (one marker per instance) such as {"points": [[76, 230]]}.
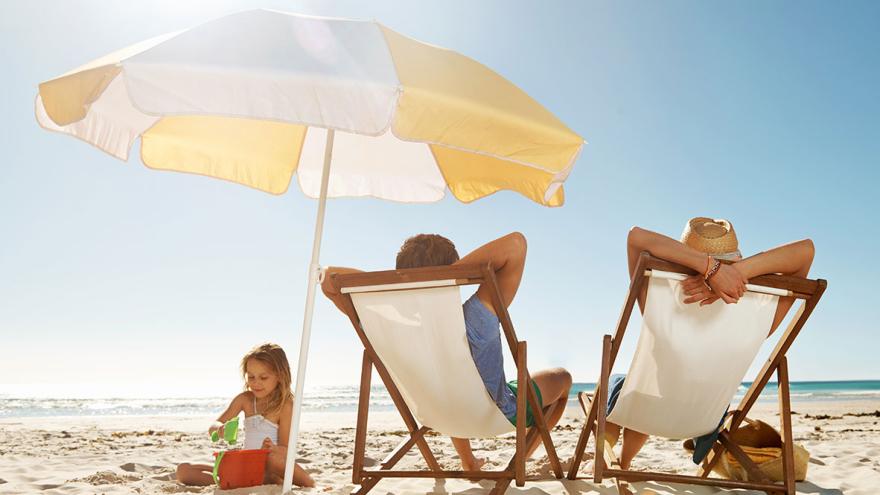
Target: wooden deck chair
{"points": [[411, 324], [688, 364]]}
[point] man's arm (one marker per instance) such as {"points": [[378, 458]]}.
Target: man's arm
{"points": [[508, 257], [330, 290], [792, 259]]}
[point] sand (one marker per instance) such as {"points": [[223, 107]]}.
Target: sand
{"points": [[125, 455]]}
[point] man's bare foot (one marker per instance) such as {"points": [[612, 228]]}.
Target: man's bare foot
{"points": [[475, 464]]}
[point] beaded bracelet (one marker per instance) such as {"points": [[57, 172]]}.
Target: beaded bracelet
{"points": [[712, 271]]}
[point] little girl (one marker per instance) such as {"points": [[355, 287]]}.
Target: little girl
{"points": [[267, 403]]}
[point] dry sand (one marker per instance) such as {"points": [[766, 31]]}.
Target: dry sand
{"points": [[123, 455]]}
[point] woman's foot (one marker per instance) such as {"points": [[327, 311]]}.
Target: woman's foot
{"points": [[612, 435]]}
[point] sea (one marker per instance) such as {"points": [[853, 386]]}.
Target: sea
{"points": [[332, 399]]}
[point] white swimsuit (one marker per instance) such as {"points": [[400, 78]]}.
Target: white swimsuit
{"points": [[257, 428]]}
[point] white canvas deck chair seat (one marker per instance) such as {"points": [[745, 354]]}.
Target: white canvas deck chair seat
{"points": [[688, 364], [411, 324]]}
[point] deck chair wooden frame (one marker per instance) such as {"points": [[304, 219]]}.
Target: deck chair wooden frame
{"points": [[810, 291], [515, 470]]}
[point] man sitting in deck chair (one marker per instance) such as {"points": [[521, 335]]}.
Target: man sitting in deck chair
{"points": [[507, 256], [703, 243]]}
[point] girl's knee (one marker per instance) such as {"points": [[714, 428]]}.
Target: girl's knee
{"points": [[182, 473], [277, 459]]}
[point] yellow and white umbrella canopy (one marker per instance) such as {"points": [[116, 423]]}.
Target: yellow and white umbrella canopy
{"points": [[257, 96], [249, 98]]}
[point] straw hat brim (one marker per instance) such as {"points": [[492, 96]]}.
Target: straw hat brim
{"points": [[714, 237]]}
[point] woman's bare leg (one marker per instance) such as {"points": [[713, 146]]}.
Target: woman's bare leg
{"points": [[195, 474], [632, 444], [612, 433]]}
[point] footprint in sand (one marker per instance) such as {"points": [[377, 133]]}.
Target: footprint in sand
{"points": [[370, 462], [178, 488], [106, 478], [133, 467]]}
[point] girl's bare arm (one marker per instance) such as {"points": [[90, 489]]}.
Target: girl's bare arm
{"points": [[284, 423], [235, 407]]}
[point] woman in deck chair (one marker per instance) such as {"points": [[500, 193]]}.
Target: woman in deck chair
{"points": [[703, 243], [507, 256]]}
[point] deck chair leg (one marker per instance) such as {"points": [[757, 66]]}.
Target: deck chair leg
{"points": [[751, 468], [540, 421], [500, 486], [524, 385], [711, 460], [368, 483], [360, 434], [545, 438], [581, 448], [404, 411], [785, 418], [601, 397]]}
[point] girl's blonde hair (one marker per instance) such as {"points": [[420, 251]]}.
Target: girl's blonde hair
{"points": [[272, 355]]}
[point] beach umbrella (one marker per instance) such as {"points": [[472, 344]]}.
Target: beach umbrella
{"points": [[258, 96]]}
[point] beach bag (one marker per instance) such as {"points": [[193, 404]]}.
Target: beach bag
{"points": [[763, 444]]}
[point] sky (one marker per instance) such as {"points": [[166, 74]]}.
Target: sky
{"points": [[117, 280]]}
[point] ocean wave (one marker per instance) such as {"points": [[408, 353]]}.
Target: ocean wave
{"points": [[345, 398], [866, 393]]}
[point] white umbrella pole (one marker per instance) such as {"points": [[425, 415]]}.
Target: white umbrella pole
{"points": [[307, 319]]}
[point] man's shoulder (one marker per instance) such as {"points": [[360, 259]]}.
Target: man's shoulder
{"points": [[478, 312]]}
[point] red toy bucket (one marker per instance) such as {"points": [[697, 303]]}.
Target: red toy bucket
{"points": [[242, 468]]}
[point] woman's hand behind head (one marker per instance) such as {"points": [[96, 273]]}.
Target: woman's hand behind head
{"points": [[728, 283]]}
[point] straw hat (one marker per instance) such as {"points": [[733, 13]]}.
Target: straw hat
{"points": [[714, 237]]}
